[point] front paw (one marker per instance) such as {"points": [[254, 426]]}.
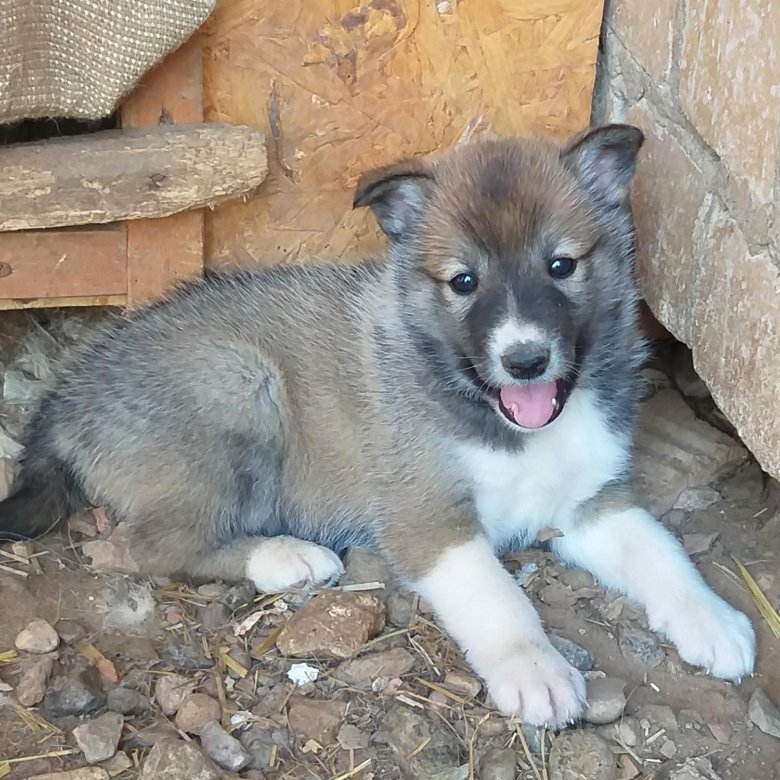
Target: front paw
{"points": [[534, 683], [711, 634]]}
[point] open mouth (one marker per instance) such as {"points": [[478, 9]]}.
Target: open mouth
{"points": [[533, 405]]}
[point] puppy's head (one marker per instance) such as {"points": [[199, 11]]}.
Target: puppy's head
{"points": [[507, 253]]}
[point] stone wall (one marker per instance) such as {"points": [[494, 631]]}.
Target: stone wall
{"points": [[702, 79]]}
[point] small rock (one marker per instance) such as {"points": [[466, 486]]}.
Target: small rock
{"points": [[575, 654], [239, 595], [84, 773], [352, 738], [455, 773], [660, 716], [628, 731], [362, 566], [556, 594], [222, 748], [316, 719], [259, 743], [214, 616], [361, 672], [186, 657], [695, 544], [78, 694], [576, 755], [606, 699], [525, 574], [333, 625], [695, 498], [127, 701], [37, 637], [462, 683], [641, 646], [405, 729], [626, 768], [576, 579], [150, 736], [534, 736], [70, 631], [694, 769], [271, 704], [721, 731], [498, 764], [32, 682], [676, 518], [171, 690], [118, 763], [18, 388], [177, 760], [98, 739], [114, 553], [212, 590], [10, 449], [764, 714], [668, 749], [399, 607], [196, 710]]}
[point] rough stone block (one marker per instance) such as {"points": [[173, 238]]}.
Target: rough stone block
{"points": [[648, 30]]}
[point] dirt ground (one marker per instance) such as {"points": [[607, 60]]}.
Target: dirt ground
{"points": [[154, 679]]}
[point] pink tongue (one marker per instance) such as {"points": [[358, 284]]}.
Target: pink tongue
{"points": [[531, 406]]}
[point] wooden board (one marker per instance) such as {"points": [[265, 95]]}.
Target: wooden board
{"points": [[340, 87], [172, 93], [115, 175], [62, 264]]}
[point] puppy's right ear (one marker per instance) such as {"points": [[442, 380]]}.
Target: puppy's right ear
{"points": [[397, 195]]}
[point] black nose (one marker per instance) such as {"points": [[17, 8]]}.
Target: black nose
{"points": [[526, 361]]}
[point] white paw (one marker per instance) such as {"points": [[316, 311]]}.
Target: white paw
{"points": [[535, 684], [710, 633], [284, 563]]}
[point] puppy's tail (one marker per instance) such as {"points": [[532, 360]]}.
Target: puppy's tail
{"points": [[44, 492]]}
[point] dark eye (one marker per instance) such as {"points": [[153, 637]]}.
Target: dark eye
{"points": [[464, 284], [562, 267]]}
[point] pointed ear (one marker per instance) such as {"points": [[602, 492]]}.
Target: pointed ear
{"points": [[396, 194], [605, 159]]}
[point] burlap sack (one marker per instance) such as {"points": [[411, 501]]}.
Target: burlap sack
{"points": [[78, 58]]}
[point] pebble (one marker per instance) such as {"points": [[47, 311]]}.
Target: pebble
{"points": [[223, 749], [127, 701], [259, 744], [37, 637], [118, 763], [239, 595], [173, 759], [212, 590], [695, 544], [214, 615], [18, 388], [186, 657], [171, 690], [316, 719], [78, 694], [455, 773], [84, 773], [526, 573], [352, 738], [32, 683], [98, 739], [721, 731], [462, 683], [333, 625], [668, 749], [405, 729], [195, 711], [114, 553], [695, 498], [575, 654], [361, 566], [399, 607], [606, 699], [628, 731], [534, 735], [498, 764], [641, 646], [579, 754], [764, 714], [363, 671], [150, 736], [694, 769]]}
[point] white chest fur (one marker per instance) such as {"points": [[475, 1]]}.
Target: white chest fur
{"points": [[541, 487]]}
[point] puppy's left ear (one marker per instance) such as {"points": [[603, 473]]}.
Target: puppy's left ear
{"points": [[605, 159], [397, 194]]}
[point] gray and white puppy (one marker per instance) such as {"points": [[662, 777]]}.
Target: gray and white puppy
{"points": [[442, 403]]}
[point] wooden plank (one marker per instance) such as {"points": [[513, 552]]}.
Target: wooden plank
{"points": [[119, 301], [63, 264], [127, 174], [341, 87], [161, 252]]}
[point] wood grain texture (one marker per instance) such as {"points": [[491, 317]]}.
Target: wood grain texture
{"points": [[171, 93], [36, 265], [340, 87], [127, 174]]}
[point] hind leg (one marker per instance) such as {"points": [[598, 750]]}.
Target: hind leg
{"points": [[274, 564]]}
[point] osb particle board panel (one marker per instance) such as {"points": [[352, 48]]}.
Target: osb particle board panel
{"points": [[339, 88]]}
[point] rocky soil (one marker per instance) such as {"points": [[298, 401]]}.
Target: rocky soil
{"points": [[104, 675]]}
